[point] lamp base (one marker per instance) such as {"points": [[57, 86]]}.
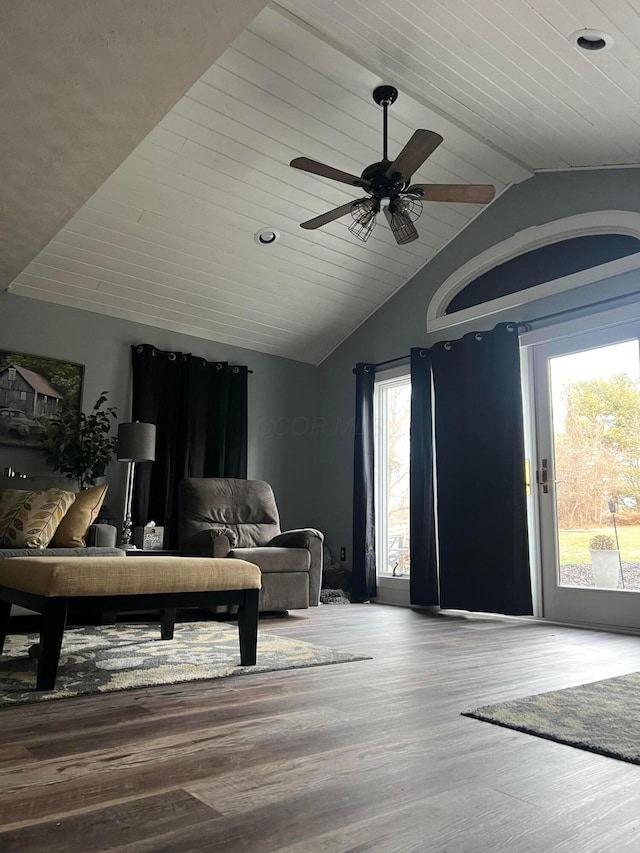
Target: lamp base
{"points": [[127, 523]]}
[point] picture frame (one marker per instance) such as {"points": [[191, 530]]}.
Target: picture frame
{"points": [[33, 387]]}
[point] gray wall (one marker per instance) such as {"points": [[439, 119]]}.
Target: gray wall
{"points": [[301, 417], [401, 323], [282, 393]]}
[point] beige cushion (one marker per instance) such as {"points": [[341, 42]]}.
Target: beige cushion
{"points": [[29, 519], [72, 530], [60, 576]]}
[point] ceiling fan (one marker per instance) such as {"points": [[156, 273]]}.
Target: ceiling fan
{"points": [[388, 184]]}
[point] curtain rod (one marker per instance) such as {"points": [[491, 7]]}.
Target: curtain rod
{"points": [[392, 360], [623, 298], [172, 355], [407, 357], [526, 324]]}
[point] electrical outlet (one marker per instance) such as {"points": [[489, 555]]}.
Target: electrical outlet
{"points": [[343, 553]]}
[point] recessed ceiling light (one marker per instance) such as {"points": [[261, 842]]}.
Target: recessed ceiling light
{"points": [[591, 39], [266, 236]]}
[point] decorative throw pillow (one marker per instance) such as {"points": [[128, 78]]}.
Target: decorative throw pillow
{"points": [[72, 530], [29, 519]]}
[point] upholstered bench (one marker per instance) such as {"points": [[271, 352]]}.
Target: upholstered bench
{"points": [[56, 587]]}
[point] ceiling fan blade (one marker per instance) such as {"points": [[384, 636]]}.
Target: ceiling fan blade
{"points": [[330, 215], [307, 165], [472, 193], [421, 145]]}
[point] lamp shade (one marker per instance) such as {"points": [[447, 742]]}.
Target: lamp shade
{"points": [[136, 442]]}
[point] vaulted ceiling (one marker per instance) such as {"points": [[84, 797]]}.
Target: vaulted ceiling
{"points": [[168, 238]]}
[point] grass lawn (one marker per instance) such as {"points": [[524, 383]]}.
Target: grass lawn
{"points": [[574, 544]]}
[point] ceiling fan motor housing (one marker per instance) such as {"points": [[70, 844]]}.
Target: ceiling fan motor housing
{"points": [[381, 184]]}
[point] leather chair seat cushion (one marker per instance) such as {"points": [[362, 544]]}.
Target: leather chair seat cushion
{"points": [[254, 535], [275, 559]]}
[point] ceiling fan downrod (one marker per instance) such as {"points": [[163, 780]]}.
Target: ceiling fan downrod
{"points": [[384, 96]]}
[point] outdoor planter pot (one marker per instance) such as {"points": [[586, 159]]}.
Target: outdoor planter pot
{"points": [[606, 568]]}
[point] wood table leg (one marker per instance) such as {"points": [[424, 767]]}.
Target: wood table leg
{"points": [[5, 610], [167, 623], [248, 627], [52, 628]]}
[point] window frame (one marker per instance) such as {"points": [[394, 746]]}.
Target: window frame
{"points": [[579, 225], [392, 377]]}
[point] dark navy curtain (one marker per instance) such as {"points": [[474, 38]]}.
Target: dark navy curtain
{"points": [[200, 412], [480, 471], [364, 546], [422, 529]]}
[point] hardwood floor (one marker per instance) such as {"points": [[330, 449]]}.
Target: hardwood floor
{"points": [[372, 755]]}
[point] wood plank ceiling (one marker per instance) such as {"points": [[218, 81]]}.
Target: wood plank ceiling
{"points": [[168, 240]]}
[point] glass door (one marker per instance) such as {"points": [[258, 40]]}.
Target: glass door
{"points": [[586, 396]]}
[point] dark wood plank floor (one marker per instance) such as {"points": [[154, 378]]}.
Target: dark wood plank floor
{"points": [[372, 755]]}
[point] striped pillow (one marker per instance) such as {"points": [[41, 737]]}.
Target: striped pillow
{"points": [[29, 519]]}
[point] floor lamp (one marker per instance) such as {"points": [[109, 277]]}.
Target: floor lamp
{"points": [[136, 443]]}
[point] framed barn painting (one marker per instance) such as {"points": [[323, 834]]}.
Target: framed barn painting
{"points": [[32, 387]]}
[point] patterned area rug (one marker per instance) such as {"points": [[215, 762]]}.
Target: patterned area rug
{"points": [[602, 717], [99, 659]]}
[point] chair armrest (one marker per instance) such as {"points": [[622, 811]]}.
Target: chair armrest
{"points": [[102, 536], [312, 540], [300, 538], [212, 542]]}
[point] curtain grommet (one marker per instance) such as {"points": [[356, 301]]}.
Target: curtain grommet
{"points": [[478, 336], [172, 356], [448, 346]]}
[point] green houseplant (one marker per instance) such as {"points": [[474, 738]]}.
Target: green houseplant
{"points": [[605, 561], [80, 446]]}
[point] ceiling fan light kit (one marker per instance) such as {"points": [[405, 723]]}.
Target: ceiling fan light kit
{"points": [[388, 184], [400, 212], [364, 217]]}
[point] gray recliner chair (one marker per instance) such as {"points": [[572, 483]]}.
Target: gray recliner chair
{"points": [[223, 517]]}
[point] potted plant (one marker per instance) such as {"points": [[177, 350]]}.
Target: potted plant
{"points": [[80, 446], [605, 561]]}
